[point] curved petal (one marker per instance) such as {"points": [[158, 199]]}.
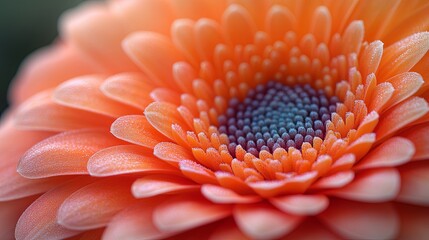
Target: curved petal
{"points": [[136, 129], [94, 205], [126, 159], [336, 180], [223, 195], [353, 220], [419, 136], [414, 221], [185, 212], [301, 204], [172, 153], [375, 185], [197, 172], [155, 185], [261, 221], [64, 154], [414, 184], [10, 212], [238, 24]]}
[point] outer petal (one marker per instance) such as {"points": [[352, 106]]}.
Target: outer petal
{"points": [[222, 195], [10, 212], [414, 184], [64, 154], [301, 204], [94, 205], [155, 185], [353, 220], [261, 221], [414, 221], [419, 135]]}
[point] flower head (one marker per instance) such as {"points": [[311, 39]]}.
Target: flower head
{"points": [[228, 120]]}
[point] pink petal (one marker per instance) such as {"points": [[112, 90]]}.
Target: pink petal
{"points": [[261, 221], [354, 220], [93, 29], [10, 212], [154, 54], [64, 154], [172, 153], [126, 159], [404, 54], [185, 212], [39, 221], [401, 115], [155, 185], [94, 205], [375, 185], [129, 88], [135, 222], [414, 184], [301, 204], [136, 129], [223, 195], [419, 136], [84, 93], [393, 152], [335, 180]]}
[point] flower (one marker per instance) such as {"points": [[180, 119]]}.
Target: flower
{"points": [[223, 120]]}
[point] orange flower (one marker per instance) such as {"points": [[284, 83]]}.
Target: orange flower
{"points": [[202, 119]]}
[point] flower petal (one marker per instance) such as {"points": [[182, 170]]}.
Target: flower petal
{"points": [[375, 185], [261, 221], [94, 205], [197, 172], [400, 116], [10, 212], [132, 89], [185, 212], [414, 184], [393, 152], [126, 159], [172, 153], [238, 25], [154, 54], [64, 154], [136, 129], [405, 84], [39, 221], [223, 195], [414, 221], [84, 93], [370, 58], [403, 55], [155, 185], [335, 180], [301, 204], [355, 220], [419, 136], [135, 222]]}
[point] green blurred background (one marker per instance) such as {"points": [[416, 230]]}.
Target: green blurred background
{"points": [[25, 25]]}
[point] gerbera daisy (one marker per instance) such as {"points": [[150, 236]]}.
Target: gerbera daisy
{"points": [[189, 119]]}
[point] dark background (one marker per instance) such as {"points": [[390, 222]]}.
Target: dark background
{"points": [[25, 25]]}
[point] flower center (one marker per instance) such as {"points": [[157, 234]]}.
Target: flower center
{"points": [[274, 115]]}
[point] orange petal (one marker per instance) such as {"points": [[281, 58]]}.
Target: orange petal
{"points": [[39, 221], [136, 129], [93, 29], [375, 185], [182, 33], [400, 116], [403, 55], [138, 15], [301, 204], [405, 84], [321, 24], [355, 220], [414, 184], [84, 93], [370, 58], [223, 195], [135, 222], [48, 67], [393, 152], [165, 95], [172, 153], [261, 221], [362, 145], [55, 117], [185, 212], [155, 185], [279, 21], [64, 154], [94, 205], [162, 115], [419, 136], [238, 25], [126, 159], [197, 172], [296, 184], [208, 35], [132, 89], [336, 180], [353, 37], [10, 212], [382, 94], [154, 54]]}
